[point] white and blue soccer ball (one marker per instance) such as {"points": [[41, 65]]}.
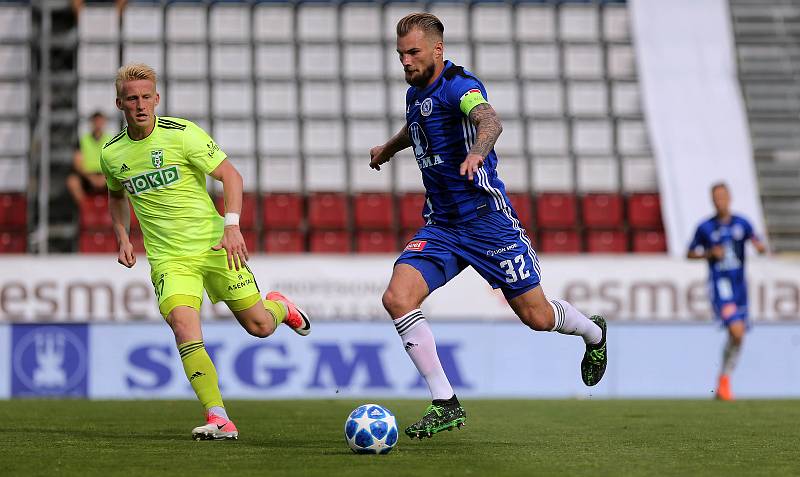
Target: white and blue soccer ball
{"points": [[371, 429]]}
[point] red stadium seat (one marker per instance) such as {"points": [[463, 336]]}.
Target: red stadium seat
{"points": [[374, 211], [98, 242], [247, 219], [606, 241], [327, 210], [558, 241], [373, 241], [411, 205], [282, 211], [649, 241], [644, 211], [330, 241], [13, 211], [284, 241], [12, 242], [602, 210], [250, 240], [94, 212], [522, 205], [556, 211]]}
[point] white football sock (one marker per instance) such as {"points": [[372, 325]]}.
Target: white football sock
{"points": [[570, 321], [730, 356], [420, 346]]}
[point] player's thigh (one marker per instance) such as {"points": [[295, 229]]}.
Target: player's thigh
{"points": [[407, 289], [498, 248], [429, 261], [234, 287], [177, 283]]}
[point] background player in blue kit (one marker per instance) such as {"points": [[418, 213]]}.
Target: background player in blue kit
{"points": [[720, 240], [469, 218]]}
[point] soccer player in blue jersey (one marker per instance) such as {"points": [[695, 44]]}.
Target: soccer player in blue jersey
{"points": [[452, 129], [720, 240]]}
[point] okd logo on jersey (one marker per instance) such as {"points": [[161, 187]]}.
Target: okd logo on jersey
{"points": [[152, 180]]}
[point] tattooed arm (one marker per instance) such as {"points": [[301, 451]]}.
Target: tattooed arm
{"points": [[488, 128]]}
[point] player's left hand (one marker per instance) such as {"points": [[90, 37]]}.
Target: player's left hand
{"points": [[233, 243], [471, 164]]}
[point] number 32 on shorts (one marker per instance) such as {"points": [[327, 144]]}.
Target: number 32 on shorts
{"points": [[508, 266]]}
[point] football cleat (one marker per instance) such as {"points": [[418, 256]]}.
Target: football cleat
{"points": [[296, 318], [724, 389], [436, 419], [216, 428], [593, 365]]}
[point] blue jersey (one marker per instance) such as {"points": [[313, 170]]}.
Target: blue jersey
{"points": [[442, 134], [727, 283]]}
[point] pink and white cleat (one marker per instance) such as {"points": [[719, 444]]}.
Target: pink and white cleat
{"points": [[296, 318], [216, 428]]}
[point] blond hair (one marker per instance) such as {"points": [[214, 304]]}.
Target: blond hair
{"points": [[431, 26], [132, 72]]}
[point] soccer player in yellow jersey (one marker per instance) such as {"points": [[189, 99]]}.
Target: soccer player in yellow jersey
{"points": [[161, 164]]}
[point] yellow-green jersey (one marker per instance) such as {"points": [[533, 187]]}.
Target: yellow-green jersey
{"points": [[165, 177], [90, 150]]}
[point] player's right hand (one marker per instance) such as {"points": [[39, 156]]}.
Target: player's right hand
{"points": [[377, 157], [126, 256], [717, 252]]}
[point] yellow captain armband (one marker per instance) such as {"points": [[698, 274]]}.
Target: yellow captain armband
{"points": [[470, 99]]}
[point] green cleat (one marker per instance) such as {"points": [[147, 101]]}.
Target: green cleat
{"points": [[438, 418], [593, 365]]}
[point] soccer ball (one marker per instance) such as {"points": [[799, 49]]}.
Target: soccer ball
{"points": [[371, 429]]}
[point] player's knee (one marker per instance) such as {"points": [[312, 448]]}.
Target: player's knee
{"points": [[397, 303], [183, 327], [260, 330]]}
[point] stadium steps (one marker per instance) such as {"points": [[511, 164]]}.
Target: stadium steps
{"points": [[767, 34]]}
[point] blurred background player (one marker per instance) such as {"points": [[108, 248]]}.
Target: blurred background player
{"points": [[469, 219], [720, 240], [162, 164], [86, 176]]}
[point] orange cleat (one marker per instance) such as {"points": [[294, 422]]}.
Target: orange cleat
{"points": [[724, 389], [216, 428], [296, 318]]}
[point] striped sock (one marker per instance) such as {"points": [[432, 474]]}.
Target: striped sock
{"points": [[277, 309], [421, 348], [201, 373], [569, 321]]}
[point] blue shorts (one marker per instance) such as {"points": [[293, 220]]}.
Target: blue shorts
{"points": [[495, 245], [729, 299]]}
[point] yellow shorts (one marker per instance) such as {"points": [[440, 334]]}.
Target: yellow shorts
{"points": [[181, 281]]}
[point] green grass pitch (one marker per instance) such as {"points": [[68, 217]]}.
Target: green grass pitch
{"points": [[304, 437]]}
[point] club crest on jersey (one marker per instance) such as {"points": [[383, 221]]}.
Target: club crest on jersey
{"points": [[157, 157], [416, 245], [427, 107]]}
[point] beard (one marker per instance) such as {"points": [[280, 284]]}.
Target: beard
{"points": [[422, 77]]}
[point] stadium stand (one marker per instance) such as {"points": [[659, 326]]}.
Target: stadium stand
{"points": [[297, 93], [766, 47]]}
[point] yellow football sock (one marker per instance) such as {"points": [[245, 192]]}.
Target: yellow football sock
{"points": [[277, 309], [201, 373]]}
